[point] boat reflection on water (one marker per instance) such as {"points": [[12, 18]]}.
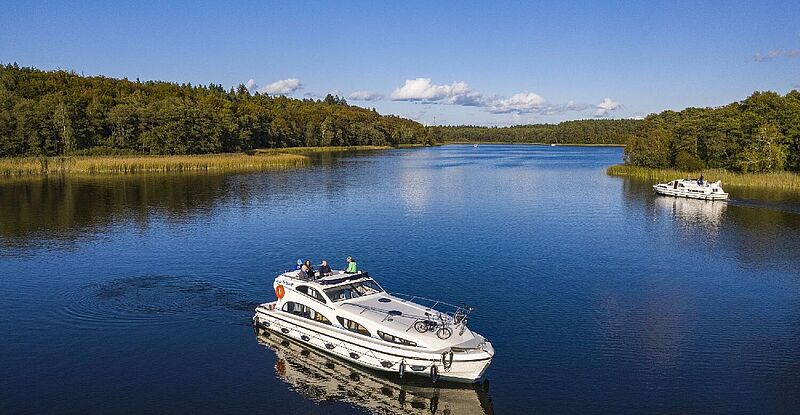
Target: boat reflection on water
{"points": [[707, 214], [323, 378]]}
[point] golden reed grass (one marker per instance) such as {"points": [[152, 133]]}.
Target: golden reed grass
{"points": [[781, 180], [15, 167]]}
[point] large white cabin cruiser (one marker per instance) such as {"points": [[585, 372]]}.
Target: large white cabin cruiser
{"points": [[692, 189], [351, 317]]}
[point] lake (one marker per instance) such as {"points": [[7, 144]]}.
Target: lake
{"points": [[134, 294]]}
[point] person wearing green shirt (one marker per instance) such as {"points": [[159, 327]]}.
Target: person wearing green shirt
{"points": [[352, 267]]}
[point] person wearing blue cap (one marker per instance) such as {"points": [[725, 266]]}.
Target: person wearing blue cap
{"points": [[299, 264]]}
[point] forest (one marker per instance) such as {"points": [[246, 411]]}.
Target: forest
{"points": [[61, 113], [567, 132], [758, 134]]}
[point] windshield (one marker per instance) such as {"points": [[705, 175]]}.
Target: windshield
{"points": [[354, 290]]}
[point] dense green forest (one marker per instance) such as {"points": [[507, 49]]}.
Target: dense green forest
{"points": [[53, 113], [759, 134], [50, 113], [567, 132]]}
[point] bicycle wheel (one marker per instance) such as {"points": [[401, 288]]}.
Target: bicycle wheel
{"points": [[444, 333], [421, 326]]}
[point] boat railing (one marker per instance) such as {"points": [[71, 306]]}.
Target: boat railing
{"points": [[455, 314], [444, 308], [387, 313]]}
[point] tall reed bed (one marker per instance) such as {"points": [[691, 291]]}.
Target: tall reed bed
{"points": [[149, 164], [781, 180]]}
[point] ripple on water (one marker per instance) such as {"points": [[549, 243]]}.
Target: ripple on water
{"points": [[149, 301]]}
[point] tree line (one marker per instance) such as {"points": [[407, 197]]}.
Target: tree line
{"points": [[567, 132], [758, 134], [54, 113]]}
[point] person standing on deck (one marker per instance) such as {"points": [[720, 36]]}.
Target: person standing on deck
{"points": [[352, 267]]}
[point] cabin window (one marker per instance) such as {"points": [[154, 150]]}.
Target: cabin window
{"points": [[305, 312], [311, 292], [354, 290], [353, 326], [394, 339]]}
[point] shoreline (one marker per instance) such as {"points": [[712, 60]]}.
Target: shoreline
{"points": [[532, 144], [782, 180], [309, 150], [256, 160]]}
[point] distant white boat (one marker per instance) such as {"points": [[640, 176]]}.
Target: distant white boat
{"points": [[474, 146], [692, 189], [552, 145]]}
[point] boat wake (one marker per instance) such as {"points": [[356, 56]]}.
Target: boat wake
{"points": [[150, 300]]}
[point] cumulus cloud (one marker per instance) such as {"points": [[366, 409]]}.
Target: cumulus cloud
{"points": [[459, 93], [282, 87], [607, 105], [423, 89], [524, 102], [365, 96], [775, 54]]}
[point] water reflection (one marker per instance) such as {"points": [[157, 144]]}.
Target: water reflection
{"points": [[65, 208], [323, 379], [706, 214]]}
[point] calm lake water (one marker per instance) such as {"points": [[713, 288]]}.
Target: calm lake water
{"points": [[134, 294]]}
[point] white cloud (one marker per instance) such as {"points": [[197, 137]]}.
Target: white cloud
{"points": [[606, 106], [365, 96], [251, 85], [524, 102], [282, 87], [459, 93], [422, 89]]}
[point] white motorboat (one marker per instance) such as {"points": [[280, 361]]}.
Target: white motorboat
{"points": [[351, 317], [692, 189]]}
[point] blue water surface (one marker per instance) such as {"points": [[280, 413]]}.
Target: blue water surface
{"points": [[134, 294]]}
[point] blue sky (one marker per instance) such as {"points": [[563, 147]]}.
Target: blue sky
{"points": [[487, 63]]}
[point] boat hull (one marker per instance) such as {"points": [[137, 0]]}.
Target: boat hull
{"points": [[700, 196], [370, 353]]}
